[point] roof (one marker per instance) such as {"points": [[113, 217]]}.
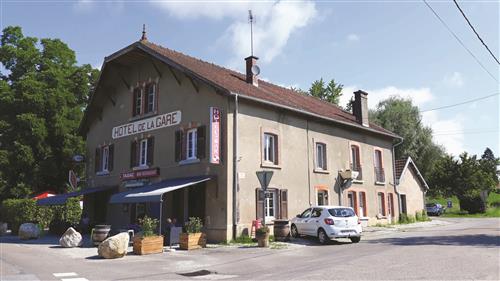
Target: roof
{"points": [[234, 83], [402, 166]]}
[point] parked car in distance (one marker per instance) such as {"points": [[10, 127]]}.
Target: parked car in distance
{"points": [[326, 223], [434, 209]]}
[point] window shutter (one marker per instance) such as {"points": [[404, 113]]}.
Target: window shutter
{"points": [[111, 157], [97, 165], [183, 145], [259, 198], [151, 150], [200, 142], [276, 150], [133, 154], [178, 145], [284, 204]]}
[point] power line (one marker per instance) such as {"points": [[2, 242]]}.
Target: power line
{"points": [[473, 29], [460, 103], [459, 40]]}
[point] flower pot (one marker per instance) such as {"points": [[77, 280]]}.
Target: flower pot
{"points": [[145, 245], [262, 239], [191, 241]]}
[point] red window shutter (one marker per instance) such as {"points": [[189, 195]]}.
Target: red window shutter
{"points": [[97, 166], [111, 157], [200, 142], [150, 152], [284, 204], [259, 201], [178, 145], [133, 154]]}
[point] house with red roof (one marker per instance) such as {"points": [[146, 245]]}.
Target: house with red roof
{"points": [[411, 186]]}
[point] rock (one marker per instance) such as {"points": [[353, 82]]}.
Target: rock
{"points": [[28, 231], [71, 238], [3, 228], [114, 247]]}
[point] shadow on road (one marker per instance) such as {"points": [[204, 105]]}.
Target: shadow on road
{"points": [[480, 240]]}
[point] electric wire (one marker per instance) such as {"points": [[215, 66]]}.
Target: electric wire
{"points": [[459, 40], [460, 103], [473, 29]]}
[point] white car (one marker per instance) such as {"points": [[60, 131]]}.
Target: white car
{"points": [[326, 223]]}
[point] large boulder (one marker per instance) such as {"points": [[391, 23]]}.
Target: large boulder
{"points": [[3, 228], [71, 238], [28, 231], [114, 247]]}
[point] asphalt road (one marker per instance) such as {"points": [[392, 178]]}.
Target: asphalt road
{"points": [[460, 249]]}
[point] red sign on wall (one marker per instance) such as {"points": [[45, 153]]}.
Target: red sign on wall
{"points": [[214, 135], [140, 174]]}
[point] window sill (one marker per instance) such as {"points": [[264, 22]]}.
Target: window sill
{"points": [[358, 181], [189, 161], [143, 116], [379, 183], [321, 171], [269, 165], [102, 173], [138, 168], [381, 217]]}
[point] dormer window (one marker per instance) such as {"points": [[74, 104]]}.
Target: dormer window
{"points": [[145, 99]]}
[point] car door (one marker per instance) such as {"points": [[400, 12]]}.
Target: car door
{"points": [[314, 223], [301, 222]]}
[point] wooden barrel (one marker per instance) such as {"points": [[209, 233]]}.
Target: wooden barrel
{"points": [[281, 230], [99, 233]]}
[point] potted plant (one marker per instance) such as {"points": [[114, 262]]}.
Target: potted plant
{"points": [[148, 242], [193, 238], [262, 235]]}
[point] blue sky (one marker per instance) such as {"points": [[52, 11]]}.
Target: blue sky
{"points": [[383, 47]]}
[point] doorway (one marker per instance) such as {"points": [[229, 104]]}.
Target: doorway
{"points": [[403, 203]]}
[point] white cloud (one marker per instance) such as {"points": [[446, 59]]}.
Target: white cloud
{"points": [[353, 37], [419, 96], [275, 22], [454, 80], [446, 132]]}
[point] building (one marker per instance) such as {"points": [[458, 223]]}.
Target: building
{"points": [[169, 135], [411, 186]]}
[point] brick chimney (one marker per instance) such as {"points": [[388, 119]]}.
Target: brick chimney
{"points": [[360, 107], [251, 77]]}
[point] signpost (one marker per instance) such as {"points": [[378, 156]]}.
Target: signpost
{"points": [[73, 180], [264, 179]]}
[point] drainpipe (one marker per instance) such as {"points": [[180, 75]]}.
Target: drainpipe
{"points": [[235, 167], [308, 164], [394, 173]]}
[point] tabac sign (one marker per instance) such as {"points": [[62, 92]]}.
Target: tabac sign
{"points": [[145, 125], [214, 135]]}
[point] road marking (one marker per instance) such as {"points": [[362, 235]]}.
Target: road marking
{"points": [[65, 274], [75, 279]]}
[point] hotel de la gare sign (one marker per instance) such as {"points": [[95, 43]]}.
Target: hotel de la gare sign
{"points": [[164, 121]]}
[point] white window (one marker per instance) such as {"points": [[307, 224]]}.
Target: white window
{"points": [[105, 158], [270, 148], [151, 94], [143, 153], [270, 205], [191, 144], [138, 101], [321, 156]]}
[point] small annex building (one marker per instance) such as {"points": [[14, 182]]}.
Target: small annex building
{"points": [[411, 185]]}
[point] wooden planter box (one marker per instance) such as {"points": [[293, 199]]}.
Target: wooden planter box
{"points": [[191, 241], [148, 245]]}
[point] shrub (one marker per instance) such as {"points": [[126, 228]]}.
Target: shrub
{"points": [[425, 217], [243, 239], [194, 225], [148, 226], [18, 211], [262, 231], [418, 216], [411, 219], [403, 218]]}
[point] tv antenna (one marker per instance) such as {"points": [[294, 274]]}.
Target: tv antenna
{"points": [[251, 20]]}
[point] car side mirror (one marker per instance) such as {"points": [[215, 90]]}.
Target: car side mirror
{"points": [[299, 216]]}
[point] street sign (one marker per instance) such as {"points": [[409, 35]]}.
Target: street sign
{"points": [[73, 180], [264, 178]]}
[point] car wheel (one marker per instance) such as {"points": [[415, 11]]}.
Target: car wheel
{"points": [[294, 231], [355, 239], [322, 237]]}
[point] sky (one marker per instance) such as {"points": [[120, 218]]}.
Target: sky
{"points": [[386, 48]]}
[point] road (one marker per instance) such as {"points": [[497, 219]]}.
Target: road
{"points": [[459, 249]]}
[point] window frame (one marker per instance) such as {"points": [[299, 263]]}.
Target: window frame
{"points": [[321, 165], [269, 148], [363, 210], [143, 98], [105, 159], [381, 203], [141, 150], [325, 197], [274, 207], [147, 97], [191, 144], [138, 104], [378, 166]]}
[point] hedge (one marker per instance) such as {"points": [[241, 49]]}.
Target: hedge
{"points": [[18, 211]]}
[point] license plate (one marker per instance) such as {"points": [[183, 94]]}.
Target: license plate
{"points": [[346, 231]]}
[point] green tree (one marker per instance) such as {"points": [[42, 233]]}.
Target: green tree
{"points": [[400, 116], [42, 95], [330, 92]]}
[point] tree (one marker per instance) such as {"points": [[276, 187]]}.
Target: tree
{"points": [[330, 93], [400, 116], [42, 96]]}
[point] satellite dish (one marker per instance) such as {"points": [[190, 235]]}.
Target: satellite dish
{"points": [[255, 70]]}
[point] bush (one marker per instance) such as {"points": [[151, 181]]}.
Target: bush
{"points": [[243, 239], [418, 216], [411, 219], [262, 231], [18, 211], [425, 217], [148, 226], [403, 218], [194, 225], [65, 216]]}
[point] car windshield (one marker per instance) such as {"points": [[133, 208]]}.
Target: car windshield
{"points": [[430, 205], [341, 212]]}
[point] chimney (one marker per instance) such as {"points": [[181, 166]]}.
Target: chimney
{"points": [[360, 107], [252, 70]]}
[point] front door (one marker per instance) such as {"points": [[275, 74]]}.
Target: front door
{"points": [[196, 201], [403, 203]]}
